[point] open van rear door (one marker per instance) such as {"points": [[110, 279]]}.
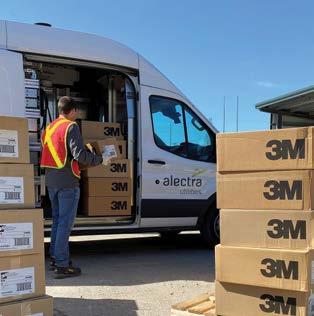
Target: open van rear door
{"points": [[12, 89]]}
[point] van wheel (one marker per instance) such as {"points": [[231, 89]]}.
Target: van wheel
{"points": [[169, 234], [210, 230]]}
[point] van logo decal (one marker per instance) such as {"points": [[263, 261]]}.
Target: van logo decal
{"points": [[187, 185], [198, 172]]}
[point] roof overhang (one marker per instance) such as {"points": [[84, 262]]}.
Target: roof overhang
{"points": [[298, 103]]}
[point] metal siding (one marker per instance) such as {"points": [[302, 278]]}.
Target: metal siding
{"points": [[57, 42], [3, 35]]}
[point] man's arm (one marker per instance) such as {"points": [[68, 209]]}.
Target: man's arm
{"points": [[78, 150]]}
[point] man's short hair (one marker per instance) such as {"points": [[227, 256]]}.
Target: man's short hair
{"points": [[66, 105]]}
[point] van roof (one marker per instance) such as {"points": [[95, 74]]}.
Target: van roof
{"points": [[50, 41]]}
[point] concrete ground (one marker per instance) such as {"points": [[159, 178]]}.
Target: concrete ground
{"points": [[132, 275]]}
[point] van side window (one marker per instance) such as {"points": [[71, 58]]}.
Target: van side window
{"points": [[180, 131], [199, 142], [168, 125]]}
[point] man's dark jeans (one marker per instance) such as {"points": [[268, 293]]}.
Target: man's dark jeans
{"points": [[64, 203]]}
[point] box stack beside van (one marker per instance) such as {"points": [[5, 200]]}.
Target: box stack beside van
{"points": [[22, 269], [107, 189], [265, 263]]}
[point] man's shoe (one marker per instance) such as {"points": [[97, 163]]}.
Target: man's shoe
{"points": [[53, 265], [66, 272]]}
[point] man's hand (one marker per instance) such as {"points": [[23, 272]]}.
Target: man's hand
{"points": [[90, 148]]}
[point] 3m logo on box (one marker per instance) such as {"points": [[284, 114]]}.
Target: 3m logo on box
{"points": [[281, 190], [119, 205], [119, 186], [118, 167], [278, 305], [279, 269], [112, 131], [286, 229], [284, 149]]}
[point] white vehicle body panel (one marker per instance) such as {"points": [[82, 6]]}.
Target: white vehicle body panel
{"points": [[175, 165], [151, 76], [155, 193], [12, 89]]}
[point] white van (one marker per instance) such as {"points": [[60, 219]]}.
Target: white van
{"points": [[171, 144]]}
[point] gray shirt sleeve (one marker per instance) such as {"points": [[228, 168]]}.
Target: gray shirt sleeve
{"points": [[78, 150]]}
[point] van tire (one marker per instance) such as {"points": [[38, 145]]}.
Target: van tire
{"points": [[210, 229]]}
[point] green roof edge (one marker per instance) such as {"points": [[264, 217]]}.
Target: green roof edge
{"points": [[289, 95]]}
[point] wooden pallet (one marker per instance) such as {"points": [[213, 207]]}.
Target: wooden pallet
{"points": [[201, 305]]}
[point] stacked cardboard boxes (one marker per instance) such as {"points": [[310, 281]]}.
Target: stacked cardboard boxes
{"points": [[22, 272], [107, 190], [265, 263]]}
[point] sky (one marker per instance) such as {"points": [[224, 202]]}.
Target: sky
{"points": [[210, 50]]}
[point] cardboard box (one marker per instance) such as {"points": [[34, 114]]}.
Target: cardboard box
{"points": [[107, 206], [282, 149], [274, 268], [100, 130], [107, 187], [42, 306], [266, 190], [267, 229], [21, 232], [22, 277], [242, 300], [17, 186], [120, 146], [14, 144], [119, 168]]}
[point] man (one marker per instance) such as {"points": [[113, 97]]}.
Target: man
{"points": [[63, 151]]}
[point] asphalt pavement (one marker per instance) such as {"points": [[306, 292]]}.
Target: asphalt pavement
{"points": [[132, 275]]}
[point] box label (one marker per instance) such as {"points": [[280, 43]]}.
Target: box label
{"points": [[108, 152], [16, 236], [17, 282], [278, 304], [111, 131], [283, 190], [286, 229], [37, 314], [285, 149], [280, 269], [11, 190], [9, 145]]}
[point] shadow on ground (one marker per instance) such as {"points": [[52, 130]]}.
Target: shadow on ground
{"points": [[64, 307], [135, 261]]}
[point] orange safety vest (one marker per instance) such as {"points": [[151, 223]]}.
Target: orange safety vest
{"points": [[54, 146]]}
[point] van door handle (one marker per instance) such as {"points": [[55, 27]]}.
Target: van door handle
{"points": [[157, 162]]}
